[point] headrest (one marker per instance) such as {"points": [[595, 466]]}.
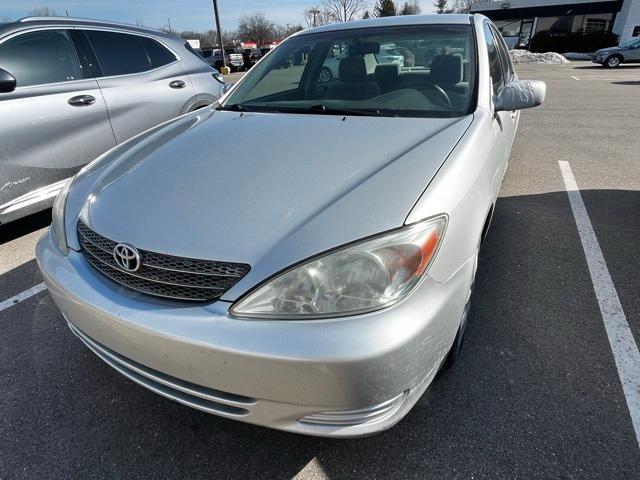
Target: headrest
{"points": [[446, 69], [387, 71], [353, 69]]}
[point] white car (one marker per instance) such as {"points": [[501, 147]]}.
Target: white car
{"points": [[386, 54], [318, 283]]}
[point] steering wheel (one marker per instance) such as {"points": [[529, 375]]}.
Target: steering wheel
{"points": [[441, 98]]}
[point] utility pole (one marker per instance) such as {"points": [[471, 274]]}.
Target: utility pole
{"points": [[169, 23], [315, 11], [219, 30]]}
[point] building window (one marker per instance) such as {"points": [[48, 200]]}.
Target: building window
{"points": [[508, 28], [595, 25]]}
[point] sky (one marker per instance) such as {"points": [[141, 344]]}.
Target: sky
{"points": [[183, 14]]}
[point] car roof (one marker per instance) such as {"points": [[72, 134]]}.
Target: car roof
{"points": [[72, 21], [449, 19]]}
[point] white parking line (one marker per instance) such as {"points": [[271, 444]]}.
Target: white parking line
{"points": [[623, 345], [575, 78], [21, 297]]}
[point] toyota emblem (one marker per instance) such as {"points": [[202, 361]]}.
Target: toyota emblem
{"points": [[127, 257]]}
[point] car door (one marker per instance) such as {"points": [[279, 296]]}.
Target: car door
{"points": [[53, 123], [504, 123], [141, 79], [633, 54]]}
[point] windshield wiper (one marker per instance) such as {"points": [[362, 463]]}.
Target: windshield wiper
{"points": [[320, 108], [234, 107]]}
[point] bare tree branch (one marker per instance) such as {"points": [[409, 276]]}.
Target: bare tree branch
{"points": [[43, 12], [322, 16], [345, 10], [256, 28]]}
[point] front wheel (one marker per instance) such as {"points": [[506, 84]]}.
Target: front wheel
{"points": [[613, 61], [456, 348]]}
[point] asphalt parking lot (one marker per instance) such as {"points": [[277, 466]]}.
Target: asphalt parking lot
{"points": [[537, 393]]}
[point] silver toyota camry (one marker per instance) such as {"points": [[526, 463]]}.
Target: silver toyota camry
{"points": [[317, 281]]}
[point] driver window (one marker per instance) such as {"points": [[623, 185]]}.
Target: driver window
{"points": [[495, 66], [505, 57], [39, 58]]}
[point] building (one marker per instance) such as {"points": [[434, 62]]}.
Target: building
{"points": [[520, 20]]}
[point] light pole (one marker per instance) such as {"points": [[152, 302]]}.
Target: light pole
{"points": [[219, 30], [315, 11]]}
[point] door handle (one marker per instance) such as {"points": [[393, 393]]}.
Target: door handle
{"points": [[177, 84], [82, 101]]}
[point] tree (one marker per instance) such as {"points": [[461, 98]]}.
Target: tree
{"points": [[410, 8], [441, 6], [344, 10], [462, 6], [321, 16], [43, 12], [256, 28], [385, 8], [283, 31]]}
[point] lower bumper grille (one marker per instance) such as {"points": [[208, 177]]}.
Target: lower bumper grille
{"points": [[162, 275], [187, 393]]}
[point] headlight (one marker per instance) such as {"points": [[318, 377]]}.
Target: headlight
{"points": [[359, 278], [57, 218]]}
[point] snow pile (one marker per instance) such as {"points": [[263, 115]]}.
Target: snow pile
{"points": [[524, 56]]}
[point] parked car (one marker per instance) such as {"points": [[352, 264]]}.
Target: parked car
{"points": [[250, 57], [72, 89], [316, 284], [386, 54], [612, 57], [234, 60]]}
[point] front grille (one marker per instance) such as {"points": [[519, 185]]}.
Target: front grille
{"points": [[162, 275]]}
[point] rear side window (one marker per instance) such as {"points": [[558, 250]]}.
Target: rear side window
{"points": [[201, 56], [495, 67], [42, 57], [122, 54]]}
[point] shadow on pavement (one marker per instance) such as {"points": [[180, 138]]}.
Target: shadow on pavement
{"points": [[630, 82], [24, 226], [535, 393], [624, 66]]}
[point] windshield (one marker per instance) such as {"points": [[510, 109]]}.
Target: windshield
{"points": [[416, 71], [629, 43]]}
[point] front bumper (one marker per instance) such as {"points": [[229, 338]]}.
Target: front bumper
{"points": [[338, 377]]}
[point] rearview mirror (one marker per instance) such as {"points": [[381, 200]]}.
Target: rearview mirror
{"points": [[7, 82], [520, 94]]}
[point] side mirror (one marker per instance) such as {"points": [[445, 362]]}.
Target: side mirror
{"points": [[520, 94], [7, 82]]}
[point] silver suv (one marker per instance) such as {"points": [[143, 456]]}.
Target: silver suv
{"points": [[72, 89]]}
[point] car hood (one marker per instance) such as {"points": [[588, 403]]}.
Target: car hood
{"points": [[607, 50], [267, 189]]}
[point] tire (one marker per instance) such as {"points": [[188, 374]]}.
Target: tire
{"points": [[613, 61], [325, 75], [456, 348]]}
